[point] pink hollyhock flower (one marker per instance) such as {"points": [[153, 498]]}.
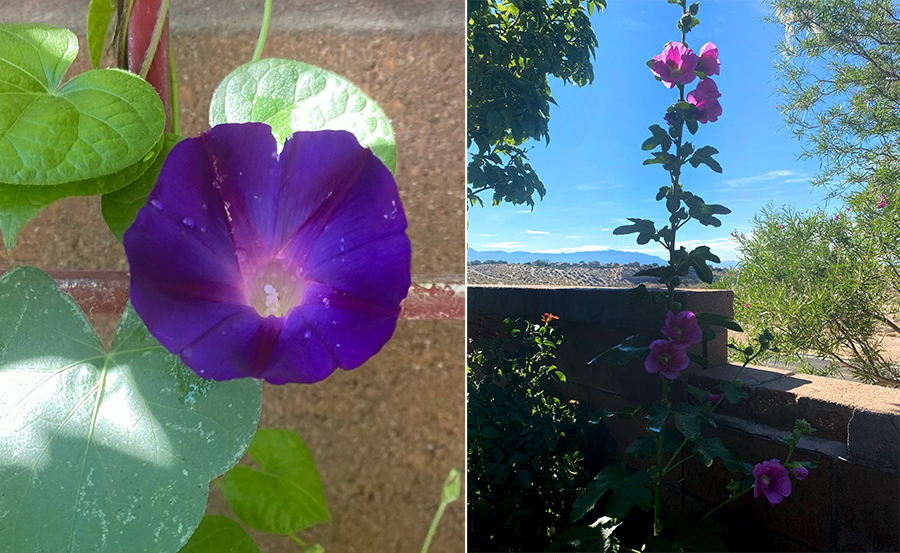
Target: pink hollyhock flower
{"points": [[746, 306], [706, 98], [667, 359], [772, 480], [682, 329], [247, 262], [781, 227], [675, 65], [883, 202], [800, 473], [708, 63], [837, 217], [714, 398]]}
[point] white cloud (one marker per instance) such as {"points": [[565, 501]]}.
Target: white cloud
{"points": [[771, 175], [503, 245], [485, 235], [535, 232], [575, 249], [574, 236], [524, 211]]}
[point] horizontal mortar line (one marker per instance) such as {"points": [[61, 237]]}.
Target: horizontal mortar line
{"points": [[431, 297]]}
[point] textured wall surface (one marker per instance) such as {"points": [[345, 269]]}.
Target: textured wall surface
{"points": [[386, 434]]}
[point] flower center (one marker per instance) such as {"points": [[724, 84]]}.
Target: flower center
{"points": [[764, 479], [665, 358], [677, 332], [273, 290], [674, 68]]}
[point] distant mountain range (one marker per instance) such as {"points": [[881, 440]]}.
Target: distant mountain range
{"points": [[602, 256]]}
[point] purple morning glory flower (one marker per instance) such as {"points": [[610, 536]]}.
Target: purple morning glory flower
{"points": [[247, 262]]}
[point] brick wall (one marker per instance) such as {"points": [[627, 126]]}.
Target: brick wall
{"points": [[851, 502]]}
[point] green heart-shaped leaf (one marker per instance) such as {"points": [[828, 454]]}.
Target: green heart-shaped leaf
{"points": [[104, 451], [286, 496], [20, 203], [120, 208], [291, 96], [218, 534], [99, 122]]}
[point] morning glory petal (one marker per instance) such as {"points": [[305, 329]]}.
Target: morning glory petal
{"points": [[282, 267]]}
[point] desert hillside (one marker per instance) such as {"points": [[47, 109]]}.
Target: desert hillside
{"points": [[564, 274]]}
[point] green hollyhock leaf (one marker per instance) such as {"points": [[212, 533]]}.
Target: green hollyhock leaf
{"points": [[633, 492], [656, 417], [104, 451], [644, 447], [291, 96], [734, 393], [218, 534], [686, 420], [710, 448], [99, 122], [606, 479], [285, 495], [20, 203], [120, 208], [100, 13]]}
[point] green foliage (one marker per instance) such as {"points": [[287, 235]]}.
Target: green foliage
{"points": [[528, 452], [92, 135], [100, 14], [291, 96], [285, 495], [112, 450], [218, 534], [513, 46], [97, 123], [596, 538], [839, 73], [120, 208], [818, 283]]}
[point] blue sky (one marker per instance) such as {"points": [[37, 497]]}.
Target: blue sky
{"points": [[593, 166]]}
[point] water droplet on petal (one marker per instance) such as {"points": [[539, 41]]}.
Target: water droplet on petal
{"points": [[241, 254], [156, 203], [307, 334], [205, 206], [326, 302], [188, 222]]}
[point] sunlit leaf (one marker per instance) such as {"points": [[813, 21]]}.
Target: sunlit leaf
{"points": [[104, 451]]}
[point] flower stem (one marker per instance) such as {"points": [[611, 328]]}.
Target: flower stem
{"points": [[263, 31], [660, 442], [161, 17], [433, 527], [296, 539], [726, 502], [684, 442], [173, 93]]}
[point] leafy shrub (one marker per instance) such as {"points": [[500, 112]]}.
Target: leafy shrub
{"points": [[818, 282], [527, 450]]}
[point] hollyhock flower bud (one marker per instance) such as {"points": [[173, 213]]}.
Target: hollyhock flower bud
{"points": [[714, 398], [772, 480], [666, 358], [706, 98], [708, 63], [675, 65], [682, 329], [800, 473]]}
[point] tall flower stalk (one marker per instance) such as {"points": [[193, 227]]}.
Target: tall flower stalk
{"points": [[680, 68]]}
